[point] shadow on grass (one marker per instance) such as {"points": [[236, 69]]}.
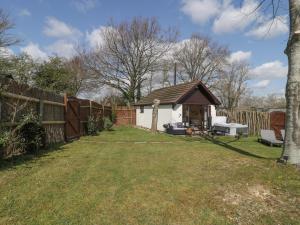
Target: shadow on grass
{"points": [[14, 161], [225, 144], [235, 149]]}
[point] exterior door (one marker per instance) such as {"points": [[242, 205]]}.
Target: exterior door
{"points": [[72, 118]]}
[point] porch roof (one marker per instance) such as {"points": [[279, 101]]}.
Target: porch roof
{"points": [[177, 94]]}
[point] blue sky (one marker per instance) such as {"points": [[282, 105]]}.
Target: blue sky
{"points": [[56, 27]]}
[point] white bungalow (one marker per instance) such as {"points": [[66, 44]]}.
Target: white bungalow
{"points": [[190, 103]]}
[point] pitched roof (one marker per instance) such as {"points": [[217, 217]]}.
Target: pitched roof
{"points": [[173, 94]]}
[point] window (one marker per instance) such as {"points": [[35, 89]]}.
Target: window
{"points": [[141, 109]]}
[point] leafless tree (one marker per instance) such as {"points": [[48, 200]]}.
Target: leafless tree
{"points": [[129, 51], [292, 127], [6, 39], [270, 101], [232, 85], [200, 59], [291, 151], [80, 78]]}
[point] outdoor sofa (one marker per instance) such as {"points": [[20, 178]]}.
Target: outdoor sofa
{"points": [[175, 128]]}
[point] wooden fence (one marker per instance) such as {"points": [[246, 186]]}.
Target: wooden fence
{"points": [[56, 112], [19, 99], [90, 108], [125, 115], [255, 120]]}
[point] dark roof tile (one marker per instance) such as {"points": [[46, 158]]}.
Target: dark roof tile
{"points": [[171, 95]]}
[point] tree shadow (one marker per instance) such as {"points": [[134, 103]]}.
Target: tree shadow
{"points": [[225, 144], [14, 161], [235, 149]]}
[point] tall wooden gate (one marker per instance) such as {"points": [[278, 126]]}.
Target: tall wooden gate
{"points": [[277, 122], [72, 118]]}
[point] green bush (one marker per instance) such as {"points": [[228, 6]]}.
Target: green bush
{"points": [[107, 123], [92, 125], [4, 136], [31, 134], [113, 116]]}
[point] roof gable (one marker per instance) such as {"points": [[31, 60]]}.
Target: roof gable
{"points": [[177, 93]]}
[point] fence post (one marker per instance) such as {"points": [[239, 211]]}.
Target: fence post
{"points": [[90, 107], [65, 115], [0, 109], [41, 110]]}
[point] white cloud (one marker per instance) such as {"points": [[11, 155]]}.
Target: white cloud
{"points": [[34, 51], [270, 28], [24, 12], [269, 70], [59, 29], [94, 38], [262, 84], [62, 48], [201, 11], [240, 56], [232, 19], [6, 52], [85, 5]]}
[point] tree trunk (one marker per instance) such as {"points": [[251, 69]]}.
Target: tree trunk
{"points": [[138, 95], [291, 151], [155, 115]]}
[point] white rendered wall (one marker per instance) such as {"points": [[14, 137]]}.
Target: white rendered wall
{"points": [[165, 115], [144, 119], [177, 114], [213, 111]]}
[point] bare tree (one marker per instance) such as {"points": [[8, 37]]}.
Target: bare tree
{"points": [[232, 85], [272, 100], [292, 135], [5, 25], [166, 68], [79, 78], [291, 151], [129, 51], [200, 59]]}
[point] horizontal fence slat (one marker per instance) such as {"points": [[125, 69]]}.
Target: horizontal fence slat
{"points": [[30, 99], [20, 97], [11, 124]]}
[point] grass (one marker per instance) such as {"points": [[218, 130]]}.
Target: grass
{"points": [[126, 177]]}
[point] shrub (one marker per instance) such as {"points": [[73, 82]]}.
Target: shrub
{"points": [[31, 135], [4, 136], [92, 125], [113, 116], [107, 124]]}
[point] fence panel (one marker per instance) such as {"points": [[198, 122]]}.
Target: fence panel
{"points": [[125, 115], [18, 99], [277, 122]]}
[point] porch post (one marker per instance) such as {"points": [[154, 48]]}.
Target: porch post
{"points": [[189, 115]]}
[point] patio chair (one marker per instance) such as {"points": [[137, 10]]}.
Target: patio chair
{"points": [[282, 132], [268, 137]]}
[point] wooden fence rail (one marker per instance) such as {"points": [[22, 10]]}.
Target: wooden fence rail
{"points": [[17, 100]]}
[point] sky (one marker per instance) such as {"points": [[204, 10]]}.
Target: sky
{"points": [[56, 27]]}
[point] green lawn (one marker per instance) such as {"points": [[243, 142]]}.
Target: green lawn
{"points": [[127, 177]]}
